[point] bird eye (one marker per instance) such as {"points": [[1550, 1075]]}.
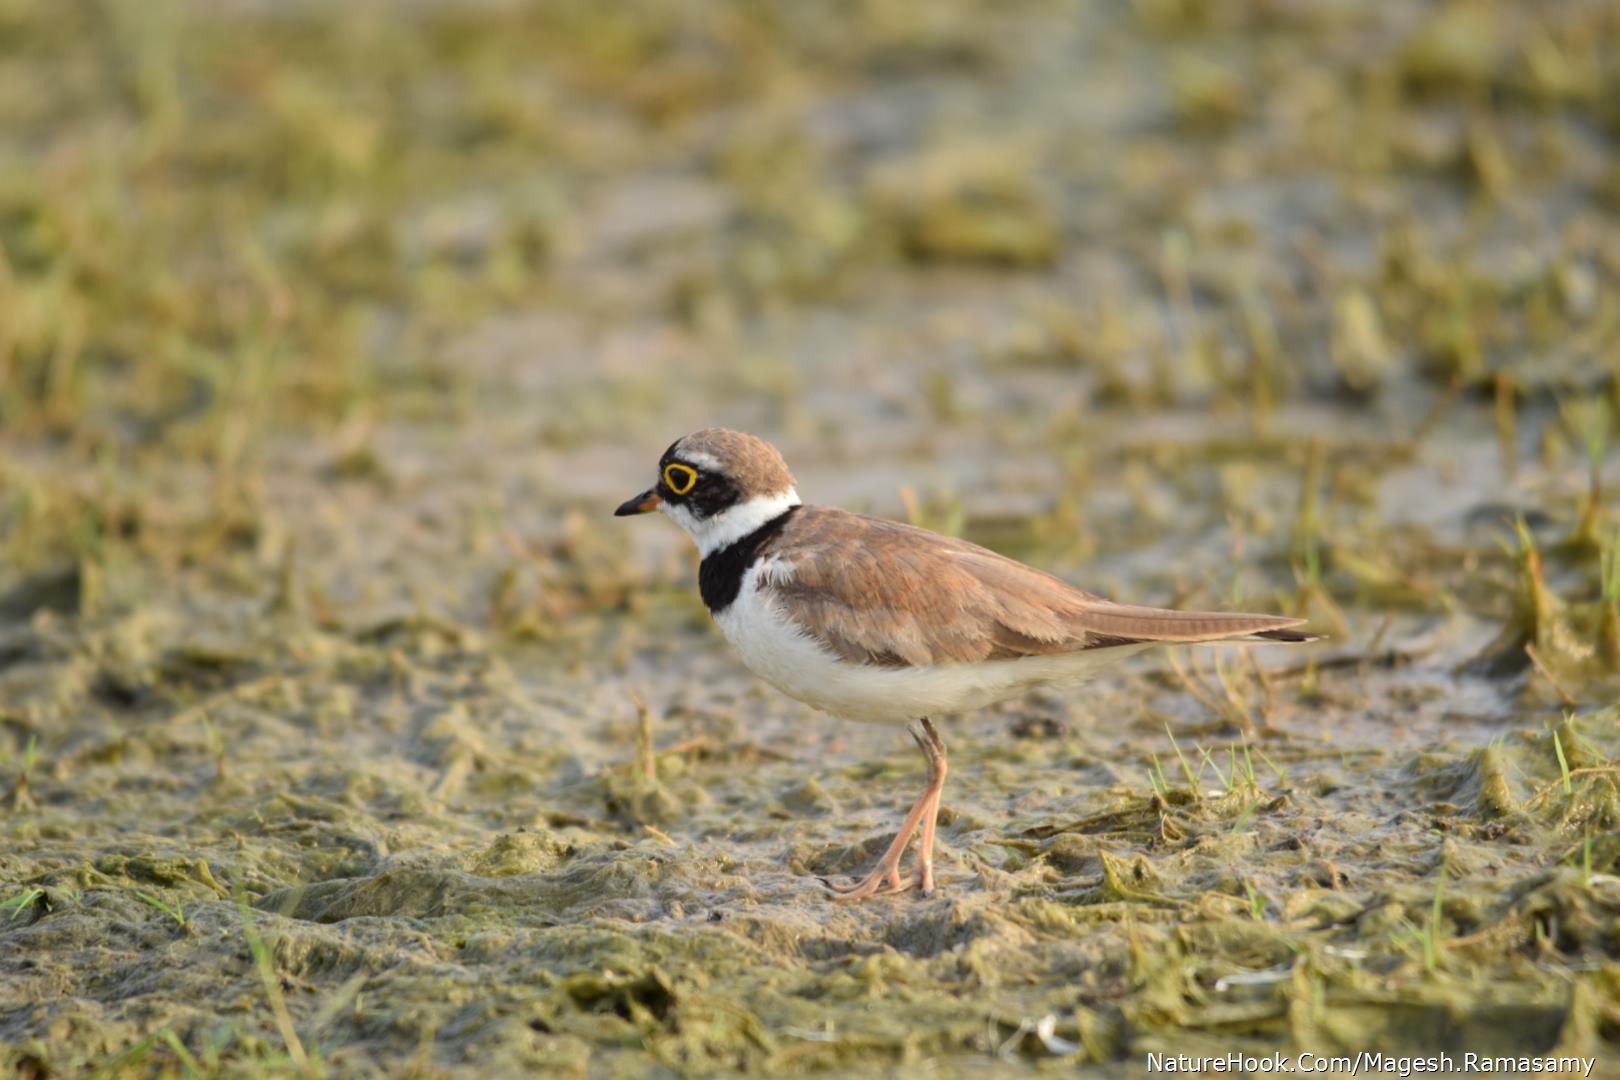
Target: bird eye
{"points": [[680, 478]]}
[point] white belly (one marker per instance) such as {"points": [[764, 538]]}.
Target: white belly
{"points": [[786, 657]]}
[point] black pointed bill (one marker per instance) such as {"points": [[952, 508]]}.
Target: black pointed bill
{"points": [[644, 503]]}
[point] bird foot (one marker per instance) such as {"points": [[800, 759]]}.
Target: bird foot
{"points": [[883, 881]]}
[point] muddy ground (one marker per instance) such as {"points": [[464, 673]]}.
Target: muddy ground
{"points": [[342, 729]]}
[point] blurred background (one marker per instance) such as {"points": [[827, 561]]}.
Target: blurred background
{"points": [[1046, 265], [330, 335]]}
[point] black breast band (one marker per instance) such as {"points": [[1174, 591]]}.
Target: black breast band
{"points": [[720, 576]]}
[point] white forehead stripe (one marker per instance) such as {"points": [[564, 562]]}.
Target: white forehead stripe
{"points": [[699, 458]]}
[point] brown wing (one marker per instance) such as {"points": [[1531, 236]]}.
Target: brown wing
{"points": [[879, 592]]}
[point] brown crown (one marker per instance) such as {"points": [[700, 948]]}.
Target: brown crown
{"points": [[754, 464]]}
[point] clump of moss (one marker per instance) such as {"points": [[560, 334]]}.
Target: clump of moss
{"points": [[974, 204]]}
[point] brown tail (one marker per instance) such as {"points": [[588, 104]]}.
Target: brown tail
{"points": [[1131, 623]]}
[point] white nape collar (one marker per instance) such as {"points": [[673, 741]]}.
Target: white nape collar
{"points": [[732, 524]]}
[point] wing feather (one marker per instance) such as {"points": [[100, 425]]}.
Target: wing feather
{"points": [[879, 592]]}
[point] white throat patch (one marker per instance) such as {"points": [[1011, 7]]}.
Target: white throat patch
{"points": [[731, 524]]}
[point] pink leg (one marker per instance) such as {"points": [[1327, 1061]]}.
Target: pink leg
{"points": [[937, 767], [885, 877]]}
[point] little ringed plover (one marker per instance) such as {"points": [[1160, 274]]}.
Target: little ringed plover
{"points": [[878, 621]]}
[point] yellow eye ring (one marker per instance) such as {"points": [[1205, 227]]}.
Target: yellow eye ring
{"points": [[680, 478]]}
